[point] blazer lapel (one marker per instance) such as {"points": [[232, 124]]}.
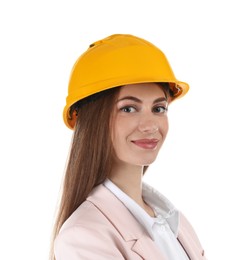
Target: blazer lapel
{"points": [[147, 249]]}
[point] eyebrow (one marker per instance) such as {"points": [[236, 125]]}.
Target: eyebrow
{"points": [[160, 99]]}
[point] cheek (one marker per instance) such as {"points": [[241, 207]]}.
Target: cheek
{"points": [[118, 131], [121, 132], [123, 126]]}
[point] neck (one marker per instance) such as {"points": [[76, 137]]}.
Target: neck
{"points": [[129, 179]]}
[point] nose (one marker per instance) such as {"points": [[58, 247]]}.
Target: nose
{"points": [[148, 125]]}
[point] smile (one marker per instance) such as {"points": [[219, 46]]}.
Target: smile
{"points": [[146, 143]]}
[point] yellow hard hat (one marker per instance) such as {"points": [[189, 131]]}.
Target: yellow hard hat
{"points": [[117, 60]]}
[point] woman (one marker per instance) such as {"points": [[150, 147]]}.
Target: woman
{"points": [[119, 92]]}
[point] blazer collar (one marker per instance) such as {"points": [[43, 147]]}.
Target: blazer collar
{"points": [[124, 222]]}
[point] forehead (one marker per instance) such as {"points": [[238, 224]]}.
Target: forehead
{"points": [[151, 90]]}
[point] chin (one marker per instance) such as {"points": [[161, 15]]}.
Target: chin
{"points": [[137, 160], [146, 162]]}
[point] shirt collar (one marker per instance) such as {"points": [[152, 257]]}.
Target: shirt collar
{"points": [[161, 205]]}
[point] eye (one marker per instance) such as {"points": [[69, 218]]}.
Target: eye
{"points": [[128, 109], [160, 109]]}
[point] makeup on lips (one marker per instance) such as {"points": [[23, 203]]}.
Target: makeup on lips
{"points": [[146, 143]]}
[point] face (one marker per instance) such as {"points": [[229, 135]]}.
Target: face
{"points": [[139, 124]]}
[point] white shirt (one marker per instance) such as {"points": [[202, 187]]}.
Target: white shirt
{"points": [[163, 228]]}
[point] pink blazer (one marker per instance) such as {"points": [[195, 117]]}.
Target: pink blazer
{"points": [[103, 229]]}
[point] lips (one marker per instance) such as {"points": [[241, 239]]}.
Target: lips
{"points": [[146, 143]]}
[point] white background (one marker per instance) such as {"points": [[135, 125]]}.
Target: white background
{"points": [[203, 165]]}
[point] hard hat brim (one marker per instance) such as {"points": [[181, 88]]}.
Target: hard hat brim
{"points": [[179, 89]]}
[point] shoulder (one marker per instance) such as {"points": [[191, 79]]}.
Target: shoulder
{"points": [[186, 228], [189, 239], [96, 231], [86, 233], [93, 216], [85, 215], [97, 211]]}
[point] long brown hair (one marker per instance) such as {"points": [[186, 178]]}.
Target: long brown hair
{"points": [[91, 154]]}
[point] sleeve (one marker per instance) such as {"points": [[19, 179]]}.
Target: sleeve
{"points": [[80, 243]]}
